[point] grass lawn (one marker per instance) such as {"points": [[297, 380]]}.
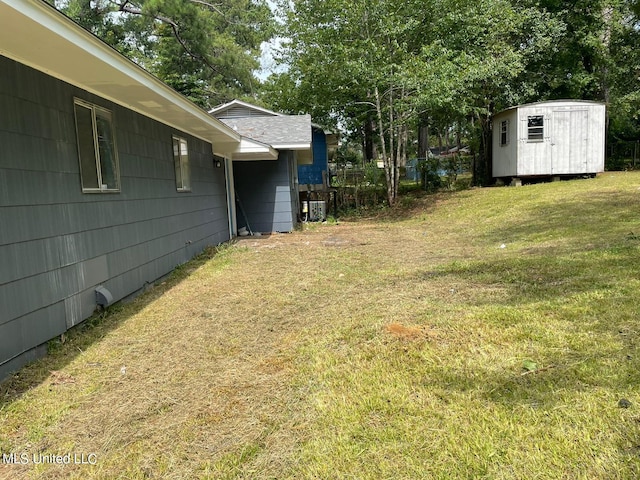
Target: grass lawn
{"points": [[489, 333]]}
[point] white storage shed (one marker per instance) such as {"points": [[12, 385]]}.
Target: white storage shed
{"points": [[553, 138]]}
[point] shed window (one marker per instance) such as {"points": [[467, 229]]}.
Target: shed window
{"points": [[96, 148], [535, 128], [181, 162], [504, 133]]}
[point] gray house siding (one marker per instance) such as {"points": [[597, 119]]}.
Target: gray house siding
{"points": [[265, 191], [57, 243]]}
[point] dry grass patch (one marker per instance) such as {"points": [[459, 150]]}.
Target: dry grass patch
{"points": [[389, 347], [180, 385]]}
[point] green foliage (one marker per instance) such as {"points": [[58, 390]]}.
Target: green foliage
{"points": [[429, 173], [446, 62], [347, 154], [373, 175], [393, 62], [204, 50], [377, 70]]}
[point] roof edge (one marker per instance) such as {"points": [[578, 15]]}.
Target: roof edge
{"points": [[559, 100], [236, 102]]}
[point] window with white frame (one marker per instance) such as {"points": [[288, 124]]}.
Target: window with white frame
{"points": [[504, 133], [99, 171], [181, 162], [535, 128]]}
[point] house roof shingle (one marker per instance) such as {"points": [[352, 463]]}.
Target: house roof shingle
{"points": [[282, 131]]}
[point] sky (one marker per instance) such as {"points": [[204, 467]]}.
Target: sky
{"points": [[267, 62]]}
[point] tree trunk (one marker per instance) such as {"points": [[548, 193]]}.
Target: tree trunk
{"points": [[482, 172], [402, 145], [369, 144], [392, 189], [383, 144], [423, 138], [390, 167]]}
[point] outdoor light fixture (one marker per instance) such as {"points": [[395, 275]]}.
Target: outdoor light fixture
{"points": [[217, 162]]}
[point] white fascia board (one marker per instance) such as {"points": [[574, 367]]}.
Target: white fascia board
{"points": [[293, 146]]}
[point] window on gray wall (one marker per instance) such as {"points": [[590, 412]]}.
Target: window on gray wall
{"points": [[181, 161], [99, 170]]}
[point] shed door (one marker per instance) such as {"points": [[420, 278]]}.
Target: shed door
{"points": [[570, 129]]}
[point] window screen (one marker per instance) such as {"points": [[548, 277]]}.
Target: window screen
{"points": [[96, 148]]}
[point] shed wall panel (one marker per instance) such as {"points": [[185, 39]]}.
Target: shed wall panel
{"points": [[504, 156], [569, 142], [534, 157]]}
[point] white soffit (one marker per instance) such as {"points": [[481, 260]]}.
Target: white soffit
{"points": [[253, 150], [34, 33]]}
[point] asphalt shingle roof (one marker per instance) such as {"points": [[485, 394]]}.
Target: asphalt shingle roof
{"points": [[274, 130]]}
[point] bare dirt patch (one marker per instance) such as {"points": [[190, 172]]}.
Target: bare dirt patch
{"points": [[411, 332]]}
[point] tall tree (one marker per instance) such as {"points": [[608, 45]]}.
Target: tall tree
{"points": [[488, 46], [456, 60], [206, 50], [351, 62], [400, 60], [598, 58], [623, 71]]}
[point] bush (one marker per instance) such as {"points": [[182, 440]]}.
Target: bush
{"points": [[429, 169]]}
